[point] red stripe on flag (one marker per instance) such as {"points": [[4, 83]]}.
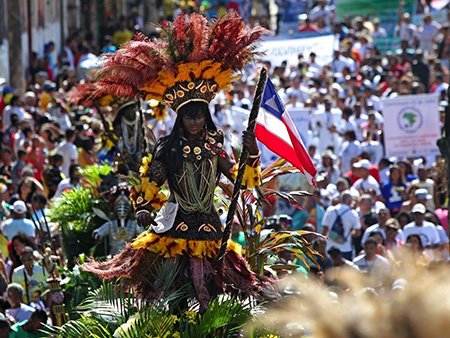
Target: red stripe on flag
{"points": [[302, 154], [278, 146]]}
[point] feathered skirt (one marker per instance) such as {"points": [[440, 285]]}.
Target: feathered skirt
{"points": [[136, 264]]}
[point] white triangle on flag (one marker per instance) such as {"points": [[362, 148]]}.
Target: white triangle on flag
{"points": [[272, 104]]}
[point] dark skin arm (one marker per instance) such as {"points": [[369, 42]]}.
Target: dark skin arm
{"points": [[226, 163], [158, 175], [144, 218]]}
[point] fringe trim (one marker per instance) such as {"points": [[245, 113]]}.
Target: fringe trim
{"points": [[169, 247]]}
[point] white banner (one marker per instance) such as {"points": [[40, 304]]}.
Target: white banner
{"points": [[277, 51], [411, 125], [239, 119]]}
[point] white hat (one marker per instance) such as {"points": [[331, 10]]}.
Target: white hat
{"points": [[422, 194], [29, 95], [419, 208], [19, 207], [365, 164]]}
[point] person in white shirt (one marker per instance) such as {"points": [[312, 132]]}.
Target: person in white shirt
{"points": [[325, 124], [30, 275], [19, 311], [347, 123], [382, 217], [427, 34], [340, 235], [314, 68], [378, 31], [348, 59], [321, 10], [373, 149], [68, 150], [339, 262], [443, 243], [18, 222], [366, 184], [338, 64], [423, 182], [405, 30], [383, 167], [298, 89], [13, 109], [358, 117], [350, 149], [441, 85], [426, 230], [373, 102], [71, 182], [374, 265]]}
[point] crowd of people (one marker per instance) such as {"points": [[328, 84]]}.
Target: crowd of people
{"points": [[368, 207]]}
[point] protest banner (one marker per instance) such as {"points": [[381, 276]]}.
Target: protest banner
{"points": [[411, 125], [277, 51]]}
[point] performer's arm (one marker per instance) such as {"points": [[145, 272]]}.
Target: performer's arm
{"points": [[252, 174], [147, 196]]}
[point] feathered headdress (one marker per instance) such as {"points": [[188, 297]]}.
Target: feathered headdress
{"points": [[85, 94], [193, 61]]}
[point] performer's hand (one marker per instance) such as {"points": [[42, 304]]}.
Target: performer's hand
{"points": [[144, 219], [249, 140]]}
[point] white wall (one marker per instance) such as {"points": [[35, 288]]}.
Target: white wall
{"points": [[4, 69], [40, 36]]}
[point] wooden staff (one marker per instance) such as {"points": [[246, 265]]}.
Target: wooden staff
{"points": [[242, 161]]}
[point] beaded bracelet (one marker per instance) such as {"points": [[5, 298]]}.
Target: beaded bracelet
{"points": [[255, 156], [143, 211]]}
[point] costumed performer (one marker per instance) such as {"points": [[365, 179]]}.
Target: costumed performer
{"points": [[192, 62]]}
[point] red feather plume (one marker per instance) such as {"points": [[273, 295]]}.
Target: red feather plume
{"points": [[79, 95], [189, 39]]}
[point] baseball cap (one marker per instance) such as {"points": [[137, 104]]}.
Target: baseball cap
{"points": [[392, 223], [329, 153], [419, 208], [365, 164], [422, 194], [19, 207]]}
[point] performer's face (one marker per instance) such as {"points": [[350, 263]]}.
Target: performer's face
{"points": [[193, 123]]}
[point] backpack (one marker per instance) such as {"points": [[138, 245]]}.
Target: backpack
{"points": [[337, 232]]}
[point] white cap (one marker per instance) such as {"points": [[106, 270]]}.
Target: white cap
{"points": [[419, 208], [19, 207], [422, 194], [29, 94], [365, 164]]}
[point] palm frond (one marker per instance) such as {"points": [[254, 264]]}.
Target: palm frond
{"points": [[110, 302], [293, 242], [291, 197], [223, 318], [83, 327]]}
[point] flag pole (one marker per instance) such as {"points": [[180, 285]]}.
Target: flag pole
{"points": [[242, 161]]}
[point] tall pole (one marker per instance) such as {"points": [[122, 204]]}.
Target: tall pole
{"points": [[242, 161], [30, 35], [61, 22], [16, 73]]}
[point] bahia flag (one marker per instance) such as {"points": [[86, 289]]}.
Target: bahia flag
{"points": [[275, 129]]}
